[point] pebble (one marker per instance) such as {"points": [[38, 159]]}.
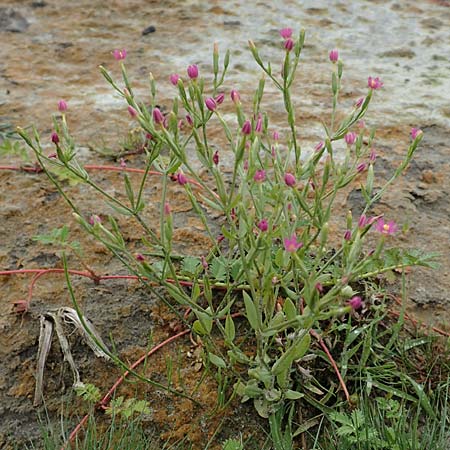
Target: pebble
{"points": [[148, 30], [11, 20]]}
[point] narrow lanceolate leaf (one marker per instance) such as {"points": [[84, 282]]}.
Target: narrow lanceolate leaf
{"points": [[250, 310]]}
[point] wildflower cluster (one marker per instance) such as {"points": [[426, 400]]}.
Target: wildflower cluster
{"points": [[273, 259]]}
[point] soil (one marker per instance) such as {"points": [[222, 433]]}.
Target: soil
{"points": [[51, 50]]}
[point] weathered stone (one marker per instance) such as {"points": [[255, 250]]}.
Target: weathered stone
{"points": [[11, 20]]}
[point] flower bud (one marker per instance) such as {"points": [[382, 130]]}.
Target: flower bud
{"points": [[174, 78], [359, 102], [220, 98], [211, 104], [258, 126], [350, 138], [263, 225], [235, 97], [62, 106], [158, 116], [215, 158], [319, 146], [289, 44], [289, 179], [361, 167], [247, 127], [181, 178], [334, 55], [260, 176], [192, 71], [132, 111], [355, 302], [415, 132], [347, 235], [55, 138]]}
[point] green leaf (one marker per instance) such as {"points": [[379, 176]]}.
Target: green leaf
{"points": [[230, 331], [218, 269], [190, 265], [289, 309], [250, 310], [217, 361], [294, 352], [206, 321], [293, 395]]}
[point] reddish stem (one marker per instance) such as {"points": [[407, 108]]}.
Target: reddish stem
{"points": [[333, 363], [105, 400]]}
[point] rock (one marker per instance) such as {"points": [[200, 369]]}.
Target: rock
{"points": [[398, 53], [11, 20], [148, 30]]}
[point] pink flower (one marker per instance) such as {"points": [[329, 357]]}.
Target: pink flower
{"points": [[181, 178], [211, 104], [374, 83], [189, 120], [119, 55], [319, 288], [174, 78], [260, 176], [347, 235], [192, 71], [359, 102], [275, 136], [334, 55], [372, 156], [355, 302], [320, 145], [132, 111], [289, 44], [386, 228], [123, 164], [55, 138], [220, 98], [204, 262], [235, 97], [62, 106], [215, 158], [247, 127], [291, 245], [158, 116], [415, 132], [286, 33], [263, 225], [289, 179], [140, 257], [350, 138]]}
